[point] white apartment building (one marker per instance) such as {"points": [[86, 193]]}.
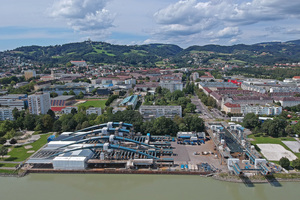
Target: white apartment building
{"points": [[261, 110], [149, 112], [92, 110], [6, 113], [39, 103], [172, 85]]}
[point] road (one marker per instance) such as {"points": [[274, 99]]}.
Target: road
{"points": [[205, 112]]}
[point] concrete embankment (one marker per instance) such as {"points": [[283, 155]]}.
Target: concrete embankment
{"points": [[115, 171]]}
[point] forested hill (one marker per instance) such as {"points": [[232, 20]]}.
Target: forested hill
{"points": [[148, 55], [97, 52]]}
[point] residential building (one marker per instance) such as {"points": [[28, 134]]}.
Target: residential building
{"points": [[92, 110], [6, 113], [261, 110], [68, 110], [149, 112], [231, 108], [288, 101], [171, 85], [39, 103], [29, 74]]}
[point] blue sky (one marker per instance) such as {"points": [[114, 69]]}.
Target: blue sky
{"points": [[181, 22]]}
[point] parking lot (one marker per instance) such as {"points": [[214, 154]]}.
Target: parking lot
{"points": [[186, 154]]}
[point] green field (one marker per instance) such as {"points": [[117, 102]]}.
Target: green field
{"points": [[270, 140], [98, 103], [7, 164], [19, 153], [5, 171]]}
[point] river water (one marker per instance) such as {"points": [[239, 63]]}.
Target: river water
{"points": [[142, 187]]}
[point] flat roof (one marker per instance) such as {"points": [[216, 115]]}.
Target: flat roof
{"points": [[63, 97]]}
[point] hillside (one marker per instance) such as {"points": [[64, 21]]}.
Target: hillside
{"points": [[97, 52], [150, 55]]}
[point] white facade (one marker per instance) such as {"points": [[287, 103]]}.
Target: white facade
{"points": [[39, 103], [172, 86], [6, 113], [96, 111], [261, 110], [68, 110], [149, 112]]}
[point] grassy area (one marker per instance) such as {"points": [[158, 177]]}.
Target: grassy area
{"points": [[7, 164], [98, 103], [5, 171], [270, 140], [19, 153]]}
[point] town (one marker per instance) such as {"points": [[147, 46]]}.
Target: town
{"points": [[121, 119]]}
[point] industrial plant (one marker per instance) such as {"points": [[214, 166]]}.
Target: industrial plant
{"points": [[109, 145]]}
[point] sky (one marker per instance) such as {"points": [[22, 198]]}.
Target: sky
{"points": [[181, 22]]}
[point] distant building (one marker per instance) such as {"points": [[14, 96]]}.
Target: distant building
{"points": [[79, 63], [29, 74], [150, 112], [18, 101], [39, 103], [6, 113], [92, 110]]}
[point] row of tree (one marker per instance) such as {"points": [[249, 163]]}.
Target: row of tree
{"points": [[278, 127]]}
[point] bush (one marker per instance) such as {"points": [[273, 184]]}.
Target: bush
{"points": [[13, 141], [284, 162], [2, 140], [296, 163]]}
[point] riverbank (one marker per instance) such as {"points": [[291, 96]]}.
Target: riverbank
{"points": [[257, 178]]}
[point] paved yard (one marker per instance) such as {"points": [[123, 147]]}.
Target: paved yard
{"points": [[293, 145], [274, 152]]}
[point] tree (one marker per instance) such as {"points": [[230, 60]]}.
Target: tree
{"points": [[57, 126], [73, 111], [16, 113], [80, 95], [53, 94], [51, 113], [296, 163], [3, 151], [47, 122], [10, 134], [72, 92], [190, 108], [284, 162], [194, 123], [2, 140], [65, 93], [250, 121], [29, 121], [165, 126]]}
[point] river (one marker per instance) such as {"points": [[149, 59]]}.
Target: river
{"points": [[142, 187]]}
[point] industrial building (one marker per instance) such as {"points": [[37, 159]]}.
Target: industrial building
{"points": [[109, 145], [241, 158]]}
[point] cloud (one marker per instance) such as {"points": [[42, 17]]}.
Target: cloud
{"points": [[84, 16], [220, 18]]}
